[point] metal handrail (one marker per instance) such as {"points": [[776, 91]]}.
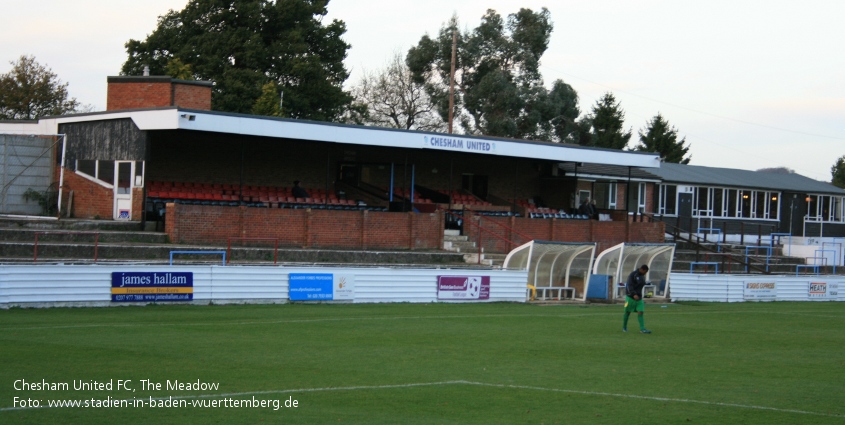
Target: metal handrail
{"points": [[229, 247], [96, 241], [725, 255], [529, 238]]}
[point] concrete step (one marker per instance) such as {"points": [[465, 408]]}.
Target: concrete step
{"points": [[775, 259], [460, 246], [455, 238], [69, 224], [490, 260], [684, 267], [63, 235]]}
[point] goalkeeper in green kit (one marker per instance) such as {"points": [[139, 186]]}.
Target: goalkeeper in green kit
{"points": [[634, 298]]}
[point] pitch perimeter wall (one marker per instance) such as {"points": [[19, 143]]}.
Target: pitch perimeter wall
{"points": [[739, 288], [58, 285]]}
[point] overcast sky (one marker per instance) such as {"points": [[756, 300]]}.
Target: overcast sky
{"points": [[750, 84]]}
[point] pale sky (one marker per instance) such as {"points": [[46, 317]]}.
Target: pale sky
{"points": [[750, 84]]}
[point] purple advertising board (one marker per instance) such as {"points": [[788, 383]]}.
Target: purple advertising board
{"points": [[463, 288]]}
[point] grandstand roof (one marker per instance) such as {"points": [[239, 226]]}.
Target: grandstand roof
{"points": [[173, 118]]}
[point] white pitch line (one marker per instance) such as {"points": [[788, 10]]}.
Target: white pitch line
{"points": [[480, 384], [653, 398]]}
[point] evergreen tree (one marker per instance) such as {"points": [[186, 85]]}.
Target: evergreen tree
{"points": [[661, 138], [606, 125], [243, 44], [837, 172]]}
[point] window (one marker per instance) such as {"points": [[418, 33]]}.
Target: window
{"points": [[605, 195], [668, 200], [826, 208], [744, 204], [812, 207], [774, 205], [641, 198], [88, 167], [612, 195], [100, 170], [139, 174], [702, 200], [733, 205], [718, 201]]}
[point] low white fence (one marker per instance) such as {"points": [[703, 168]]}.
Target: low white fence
{"points": [[56, 285], [738, 288]]}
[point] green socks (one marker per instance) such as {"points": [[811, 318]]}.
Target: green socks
{"points": [[641, 320], [625, 320]]}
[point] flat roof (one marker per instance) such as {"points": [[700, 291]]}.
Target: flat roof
{"points": [[173, 118]]}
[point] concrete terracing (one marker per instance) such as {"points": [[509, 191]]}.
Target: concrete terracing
{"points": [[72, 241]]}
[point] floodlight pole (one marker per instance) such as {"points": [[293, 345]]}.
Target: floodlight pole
{"points": [[62, 177], [452, 80]]}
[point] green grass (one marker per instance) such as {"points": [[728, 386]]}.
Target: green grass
{"points": [[760, 363]]}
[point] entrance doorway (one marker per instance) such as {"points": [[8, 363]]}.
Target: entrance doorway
{"points": [[123, 172], [475, 184]]}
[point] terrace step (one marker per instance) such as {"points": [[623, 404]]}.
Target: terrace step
{"points": [[64, 235], [69, 224], [22, 252]]}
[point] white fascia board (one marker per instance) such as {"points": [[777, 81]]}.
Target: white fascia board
{"points": [[410, 140], [41, 127], [293, 130], [171, 119], [616, 179], [165, 119]]}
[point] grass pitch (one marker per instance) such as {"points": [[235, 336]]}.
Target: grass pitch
{"points": [[765, 363]]}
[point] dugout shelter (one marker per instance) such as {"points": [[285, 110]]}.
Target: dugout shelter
{"points": [[615, 263], [559, 268]]}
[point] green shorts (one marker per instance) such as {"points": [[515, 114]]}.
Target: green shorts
{"points": [[632, 305]]}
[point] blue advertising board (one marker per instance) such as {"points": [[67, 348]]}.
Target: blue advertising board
{"points": [[311, 286], [152, 286]]}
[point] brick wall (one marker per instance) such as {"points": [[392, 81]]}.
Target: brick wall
{"points": [[305, 228], [132, 92], [604, 233], [131, 95], [137, 203], [90, 199], [192, 96]]}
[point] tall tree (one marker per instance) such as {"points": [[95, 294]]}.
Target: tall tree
{"points": [[659, 137], [606, 122], [243, 44], [499, 89], [837, 172], [30, 90], [391, 98], [269, 103]]}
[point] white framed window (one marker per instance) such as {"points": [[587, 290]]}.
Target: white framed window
{"points": [[668, 199], [641, 198], [612, 195]]}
